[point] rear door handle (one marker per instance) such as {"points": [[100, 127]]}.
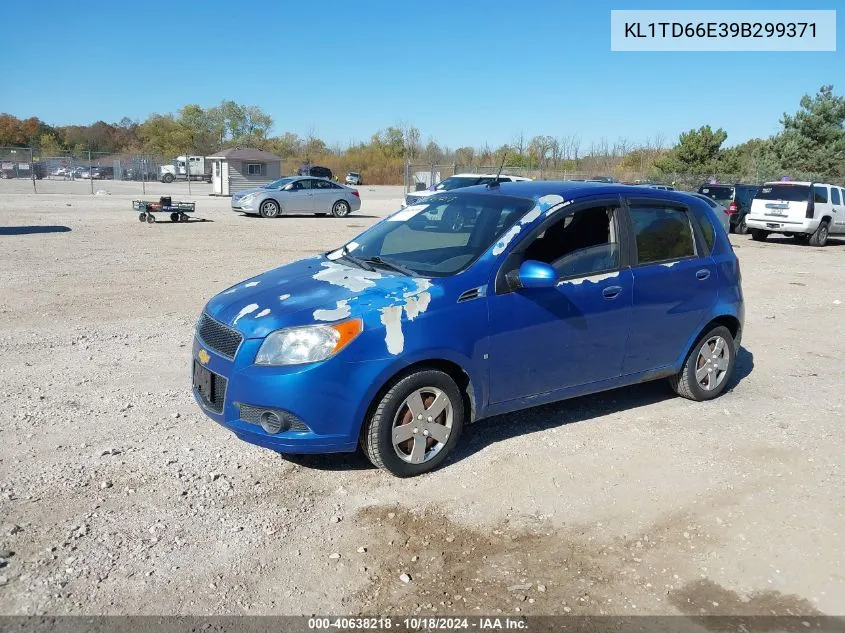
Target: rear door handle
{"points": [[611, 292], [702, 274]]}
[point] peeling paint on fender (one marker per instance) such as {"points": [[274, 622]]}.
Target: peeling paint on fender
{"points": [[391, 318], [353, 279], [263, 313], [252, 307], [341, 311]]}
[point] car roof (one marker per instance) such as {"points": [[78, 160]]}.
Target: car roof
{"points": [[569, 190], [487, 176]]}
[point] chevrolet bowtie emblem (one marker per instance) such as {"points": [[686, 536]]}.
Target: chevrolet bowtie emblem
{"points": [[203, 357]]}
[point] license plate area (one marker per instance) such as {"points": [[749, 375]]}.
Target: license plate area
{"points": [[204, 385]]}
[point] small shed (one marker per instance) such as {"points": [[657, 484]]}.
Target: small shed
{"points": [[239, 168]]}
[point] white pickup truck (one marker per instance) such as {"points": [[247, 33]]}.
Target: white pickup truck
{"points": [[806, 211]]}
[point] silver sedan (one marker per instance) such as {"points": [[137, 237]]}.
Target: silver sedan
{"points": [[296, 195]]}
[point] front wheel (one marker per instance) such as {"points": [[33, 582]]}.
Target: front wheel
{"points": [[174, 217], [708, 368], [819, 238], [269, 209], [340, 209], [167, 178], [759, 235], [415, 425]]}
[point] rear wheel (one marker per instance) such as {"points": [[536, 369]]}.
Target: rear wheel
{"points": [[415, 424], [150, 218], [741, 227], [340, 209], [759, 235], [708, 368], [269, 209], [174, 217], [819, 238]]}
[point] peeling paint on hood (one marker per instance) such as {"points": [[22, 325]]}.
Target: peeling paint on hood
{"points": [[354, 279], [252, 307], [340, 311]]}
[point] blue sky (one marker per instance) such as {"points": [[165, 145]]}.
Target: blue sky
{"points": [[465, 72]]}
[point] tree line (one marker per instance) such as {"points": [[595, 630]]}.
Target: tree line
{"points": [[810, 141]]}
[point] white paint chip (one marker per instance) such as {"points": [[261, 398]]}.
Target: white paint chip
{"points": [[251, 284], [252, 307], [263, 313], [284, 297], [532, 215], [506, 239], [391, 318], [591, 279], [354, 279], [341, 311]]}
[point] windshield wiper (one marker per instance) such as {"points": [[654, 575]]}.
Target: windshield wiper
{"points": [[375, 259], [360, 263]]}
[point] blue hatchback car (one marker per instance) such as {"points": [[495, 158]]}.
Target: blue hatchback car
{"points": [[476, 302]]}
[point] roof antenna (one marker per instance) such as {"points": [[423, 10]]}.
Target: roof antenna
{"points": [[495, 182]]}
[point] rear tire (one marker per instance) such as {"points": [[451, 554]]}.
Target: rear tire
{"points": [[819, 238], [759, 235], [174, 217], [150, 218], [741, 227], [341, 209], [708, 368], [423, 449]]}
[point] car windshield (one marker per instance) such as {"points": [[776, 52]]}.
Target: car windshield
{"points": [[353, 174], [719, 193], [787, 193], [456, 182], [278, 184], [441, 236]]}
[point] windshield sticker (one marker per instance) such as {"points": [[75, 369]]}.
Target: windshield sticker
{"points": [[252, 307], [340, 311], [591, 279], [407, 213], [354, 279], [506, 239]]}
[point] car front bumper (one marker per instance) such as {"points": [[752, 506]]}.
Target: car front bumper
{"points": [[329, 399]]}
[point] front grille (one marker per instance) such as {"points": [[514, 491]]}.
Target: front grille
{"points": [[252, 415], [216, 399], [220, 338]]}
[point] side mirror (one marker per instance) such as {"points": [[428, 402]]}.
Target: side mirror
{"points": [[533, 274]]}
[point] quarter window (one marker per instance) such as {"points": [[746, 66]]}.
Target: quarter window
{"points": [[663, 234], [254, 169], [820, 194]]}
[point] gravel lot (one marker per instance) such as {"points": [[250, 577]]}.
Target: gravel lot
{"points": [[118, 496]]}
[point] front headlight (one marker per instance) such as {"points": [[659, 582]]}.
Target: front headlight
{"points": [[307, 344], [247, 198]]}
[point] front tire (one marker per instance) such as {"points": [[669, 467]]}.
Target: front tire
{"points": [[708, 367], [167, 178], [819, 238], [759, 235], [269, 209], [415, 425], [341, 209]]}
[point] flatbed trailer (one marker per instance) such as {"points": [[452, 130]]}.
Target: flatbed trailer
{"points": [[178, 210]]}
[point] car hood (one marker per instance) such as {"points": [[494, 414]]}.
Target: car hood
{"points": [[244, 192], [317, 290], [421, 194]]}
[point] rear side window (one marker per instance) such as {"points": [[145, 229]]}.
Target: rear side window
{"points": [[662, 233], [718, 193], [820, 194], [786, 193], [834, 196]]}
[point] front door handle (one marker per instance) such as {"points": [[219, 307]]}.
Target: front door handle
{"points": [[611, 292], [702, 274]]}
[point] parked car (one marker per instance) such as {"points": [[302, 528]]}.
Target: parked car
{"points": [[102, 173], [315, 171], [416, 328], [806, 211], [459, 181], [298, 195], [722, 212], [736, 197], [354, 178]]}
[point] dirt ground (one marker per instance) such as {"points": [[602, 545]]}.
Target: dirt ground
{"points": [[117, 496]]}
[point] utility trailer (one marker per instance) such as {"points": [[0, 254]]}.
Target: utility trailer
{"points": [[178, 210]]}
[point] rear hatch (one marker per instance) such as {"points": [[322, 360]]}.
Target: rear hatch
{"points": [[781, 202], [723, 194]]}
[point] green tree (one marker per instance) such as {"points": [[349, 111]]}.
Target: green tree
{"points": [[813, 139], [49, 145], [697, 152]]}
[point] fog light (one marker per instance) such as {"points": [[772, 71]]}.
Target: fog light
{"points": [[270, 422]]}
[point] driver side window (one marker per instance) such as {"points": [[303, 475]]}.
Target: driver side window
{"points": [[581, 244]]}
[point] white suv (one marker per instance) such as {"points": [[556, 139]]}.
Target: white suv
{"points": [[806, 211], [458, 181]]}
